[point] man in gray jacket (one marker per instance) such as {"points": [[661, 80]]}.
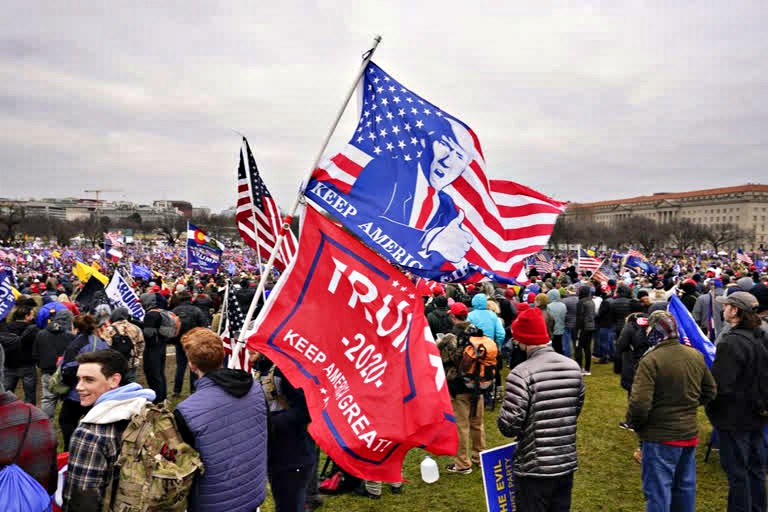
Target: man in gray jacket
{"points": [[542, 401]]}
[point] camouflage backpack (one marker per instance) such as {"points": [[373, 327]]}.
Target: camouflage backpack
{"points": [[156, 468]]}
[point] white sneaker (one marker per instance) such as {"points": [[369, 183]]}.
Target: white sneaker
{"points": [[586, 373]]}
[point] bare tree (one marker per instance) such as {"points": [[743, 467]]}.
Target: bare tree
{"points": [[685, 234], [645, 232], [91, 229], [721, 235], [171, 227], [563, 232], [63, 231], [11, 215]]}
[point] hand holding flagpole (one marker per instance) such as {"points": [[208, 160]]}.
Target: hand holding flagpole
{"points": [[287, 220]]}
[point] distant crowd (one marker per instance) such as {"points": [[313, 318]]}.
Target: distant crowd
{"points": [[96, 374]]}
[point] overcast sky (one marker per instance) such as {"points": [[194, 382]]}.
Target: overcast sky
{"points": [[603, 100]]}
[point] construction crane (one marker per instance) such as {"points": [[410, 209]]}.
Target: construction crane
{"points": [[98, 192]]}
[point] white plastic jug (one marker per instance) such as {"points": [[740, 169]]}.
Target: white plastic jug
{"points": [[429, 471]]}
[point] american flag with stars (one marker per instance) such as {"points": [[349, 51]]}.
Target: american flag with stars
{"points": [[587, 262], [233, 319], [743, 257], [258, 217], [543, 263], [508, 221]]}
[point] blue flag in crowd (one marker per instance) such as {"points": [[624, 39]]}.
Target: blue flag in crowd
{"points": [[636, 262], [760, 265], [203, 252], [7, 300], [11, 274], [689, 331], [231, 268], [141, 272]]}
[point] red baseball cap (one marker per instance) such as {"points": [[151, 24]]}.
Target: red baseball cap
{"points": [[459, 309]]}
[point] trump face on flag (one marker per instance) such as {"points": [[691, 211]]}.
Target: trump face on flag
{"points": [[419, 199], [411, 184]]}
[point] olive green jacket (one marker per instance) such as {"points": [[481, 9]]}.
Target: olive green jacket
{"points": [[671, 381]]}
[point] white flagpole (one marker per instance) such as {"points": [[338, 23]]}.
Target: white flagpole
{"points": [[246, 163], [287, 220], [224, 308]]}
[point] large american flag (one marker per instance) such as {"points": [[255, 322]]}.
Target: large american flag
{"points": [[587, 262], [508, 221], [258, 217]]}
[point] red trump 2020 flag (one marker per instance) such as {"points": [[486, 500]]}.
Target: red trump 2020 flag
{"points": [[349, 329]]}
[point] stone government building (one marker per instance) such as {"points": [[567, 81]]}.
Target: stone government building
{"points": [[743, 205]]}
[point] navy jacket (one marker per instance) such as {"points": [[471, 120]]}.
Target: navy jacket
{"points": [[226, 421]]}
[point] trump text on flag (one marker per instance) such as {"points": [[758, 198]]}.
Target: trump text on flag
{"points": [[349, 329]]}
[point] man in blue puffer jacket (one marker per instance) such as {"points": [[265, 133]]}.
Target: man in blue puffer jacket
{"points": [[486, 320], [226, 421]]}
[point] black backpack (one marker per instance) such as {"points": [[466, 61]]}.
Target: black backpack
{"points": [[122, 343], [187, 318]]}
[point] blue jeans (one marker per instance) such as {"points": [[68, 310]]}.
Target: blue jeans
{"points": [[569, 336], [605, 337], [669, 477], [28, 377], [742, 455]]}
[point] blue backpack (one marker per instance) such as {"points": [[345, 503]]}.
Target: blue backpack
{"points": [[21, 492]]}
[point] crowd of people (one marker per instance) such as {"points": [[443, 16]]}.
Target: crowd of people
{"points": [[87, 358]]}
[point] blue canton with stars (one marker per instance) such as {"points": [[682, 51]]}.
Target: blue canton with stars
{"points": [[394, 120]]}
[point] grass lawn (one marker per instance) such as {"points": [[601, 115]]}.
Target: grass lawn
{"points": [[608, 478]]}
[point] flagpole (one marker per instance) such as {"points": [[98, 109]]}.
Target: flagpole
{"points": [[224, 307], [287, 220], [244, 156], [186, 250]]}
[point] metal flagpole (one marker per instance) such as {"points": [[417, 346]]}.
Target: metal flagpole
{"points": [[287, 220]]}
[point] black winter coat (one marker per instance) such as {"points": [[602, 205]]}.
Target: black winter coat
{"points": [[621, 307], [204, 303], [48, 347], [733, 371], [190, 316], [585, 314], [22, 357], [290, 445], [630, 347], [439, 322]]}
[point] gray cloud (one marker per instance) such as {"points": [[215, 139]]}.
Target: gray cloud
{"points": [[584, 102]]}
